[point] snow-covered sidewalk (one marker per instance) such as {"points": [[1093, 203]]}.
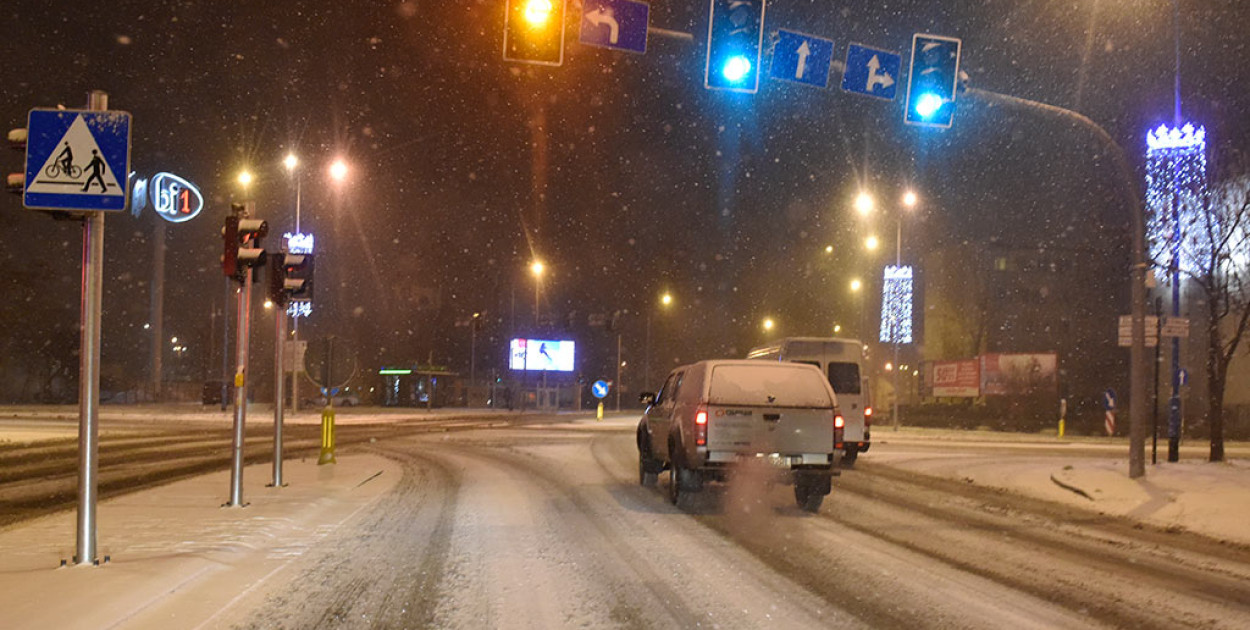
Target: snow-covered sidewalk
{"points": [[1212, 499], [179, 559]]}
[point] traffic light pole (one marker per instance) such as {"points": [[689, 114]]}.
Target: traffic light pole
{"points": [[1139, 360], [89, 371], [244, 317], [279, 395]]}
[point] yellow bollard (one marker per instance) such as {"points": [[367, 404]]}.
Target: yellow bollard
{"points": [[1061, 427], [599, 413], [327, 437]]}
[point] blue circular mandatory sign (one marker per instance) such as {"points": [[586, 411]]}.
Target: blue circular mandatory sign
{"points": [[599, 389]]}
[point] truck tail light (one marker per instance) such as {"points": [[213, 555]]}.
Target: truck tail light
{"points": [[700, 427], [839, 422], [867, 416]]}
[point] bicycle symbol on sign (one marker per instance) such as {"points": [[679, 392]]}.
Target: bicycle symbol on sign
{"points": [[64, 164]]}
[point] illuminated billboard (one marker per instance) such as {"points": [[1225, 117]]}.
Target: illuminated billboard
{"points": [[541, 355]]}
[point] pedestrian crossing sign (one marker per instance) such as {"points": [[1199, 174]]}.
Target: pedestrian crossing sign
{"points": [[77, 160]]}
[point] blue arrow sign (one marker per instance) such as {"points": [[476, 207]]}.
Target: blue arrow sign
{"points": [[616, 24], [77, 160], [1108, 400], [871, 72], [599, 389], [802, 58]]}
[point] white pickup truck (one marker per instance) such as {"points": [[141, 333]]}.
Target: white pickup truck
{"points": [[711, 415]]}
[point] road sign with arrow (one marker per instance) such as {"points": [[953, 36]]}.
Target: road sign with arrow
{"points": [[802, 58], [871, 72], [616, 24]]}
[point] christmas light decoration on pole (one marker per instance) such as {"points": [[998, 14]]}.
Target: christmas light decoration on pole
{"points": [[1176, 192], [896, 304], [1177, 230]]}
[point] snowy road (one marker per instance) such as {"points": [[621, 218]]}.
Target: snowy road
{"points": [[546, 526]]}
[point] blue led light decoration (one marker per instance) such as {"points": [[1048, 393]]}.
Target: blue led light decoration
{"points": [[896, 302], [1176, 193]]}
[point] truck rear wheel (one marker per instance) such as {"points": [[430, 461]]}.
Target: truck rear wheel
{"points": [[810, 491], [648, 470]]}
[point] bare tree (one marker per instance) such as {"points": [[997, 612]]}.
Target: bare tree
{"points": [[1223, 274]]}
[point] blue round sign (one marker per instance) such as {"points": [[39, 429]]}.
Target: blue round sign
{"points": [[599, 389]]}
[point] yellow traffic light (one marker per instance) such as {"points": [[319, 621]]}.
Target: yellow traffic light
{"points": [[538, 12]]}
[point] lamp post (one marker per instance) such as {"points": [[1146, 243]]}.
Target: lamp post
{"points": [[291, 162], [909, 202], [665, 301], [536, 269]]}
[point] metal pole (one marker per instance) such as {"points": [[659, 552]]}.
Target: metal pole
{"points": [[225, 346], [473, 351], [1138, 368], [279, 395], [158, 305], [296, 368], [1174, 402], [1154, 416], [89, 370], [898, 261], [240, 389], [646, 364], [618, 371]]}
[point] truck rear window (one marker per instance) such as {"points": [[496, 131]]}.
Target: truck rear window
{"points": [[768, 384]]}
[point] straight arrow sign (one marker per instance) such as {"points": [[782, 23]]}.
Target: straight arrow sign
{"points": [[802, 58]]}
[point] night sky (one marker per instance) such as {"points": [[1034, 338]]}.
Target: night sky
{"points": [[620, 171]]}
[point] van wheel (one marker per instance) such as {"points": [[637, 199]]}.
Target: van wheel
{"points": [[683, 484], [848, 459]]}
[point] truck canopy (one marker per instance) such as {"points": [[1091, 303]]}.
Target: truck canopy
{"points": [[768, 384]]}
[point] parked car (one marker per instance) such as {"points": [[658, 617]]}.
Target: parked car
{"points": [[711, 415]]}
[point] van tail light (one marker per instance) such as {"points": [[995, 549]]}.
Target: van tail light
{"points": [[839, 423], [700, 427], [867, 416]]}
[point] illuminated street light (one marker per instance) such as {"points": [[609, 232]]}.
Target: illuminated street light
{"points": [[290, 162], [537, 268], [666, 299], [837, 328], [856, 285], [338, 171], [864, 204], [910, 199], [245, 178], [828, 249], [768, 323], [871, 243]]}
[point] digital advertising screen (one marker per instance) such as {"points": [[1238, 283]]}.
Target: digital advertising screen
{"points": [[541, 355]]}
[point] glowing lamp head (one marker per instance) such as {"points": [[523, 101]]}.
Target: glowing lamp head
{"points": [[856, 284], [871, 243], [338, 170], [928, 104], [537, 268], [864, 203], [769, 323], [736, 68], [245, 178], [666, 299], [538, 12], [910, 199], [290, 161]]}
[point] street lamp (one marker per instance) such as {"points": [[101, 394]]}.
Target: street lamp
{"points": [[864, 204], [856, 285], [338, 171], [245, 179], [909, 203], [768, 324], [871, 243]]}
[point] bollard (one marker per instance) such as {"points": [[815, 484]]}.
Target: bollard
{"points": [[599, 412], [327, 437]]}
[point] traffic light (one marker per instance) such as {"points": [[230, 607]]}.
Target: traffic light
{"points": [[933, 80], [533, 32], [240, 238], [290, 276], [735, 35]]}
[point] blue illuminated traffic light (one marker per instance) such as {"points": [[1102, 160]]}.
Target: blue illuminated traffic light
{"points": [[735, 35], [933, 81]]}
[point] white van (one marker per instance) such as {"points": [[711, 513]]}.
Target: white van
{"points": [[842, 361]]}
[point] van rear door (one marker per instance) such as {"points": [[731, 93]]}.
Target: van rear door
{"points": [[769, 408]]}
